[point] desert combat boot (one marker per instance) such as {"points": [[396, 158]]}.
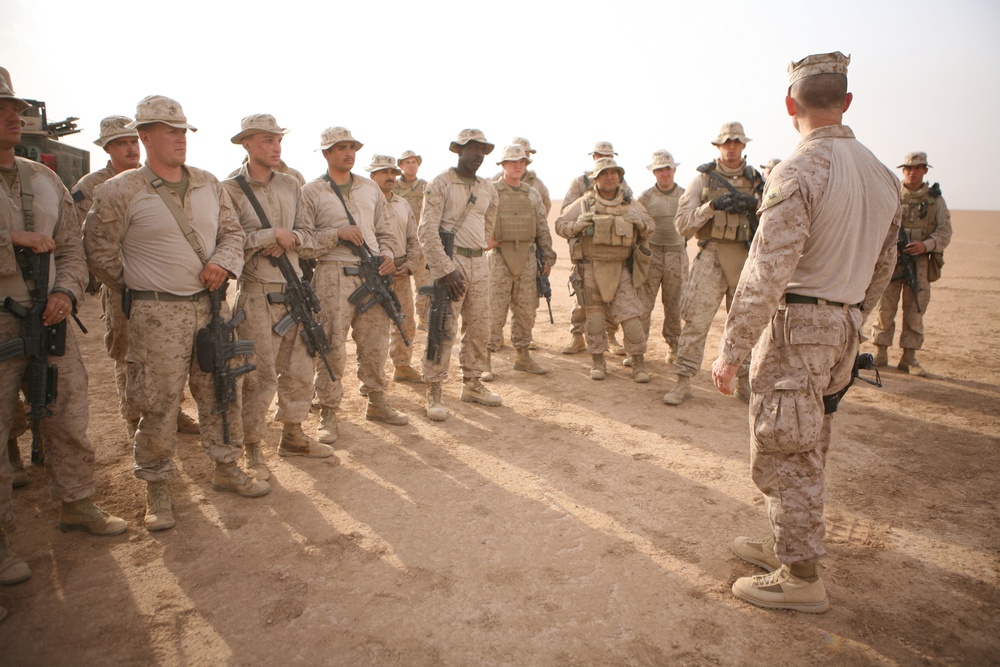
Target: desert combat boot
{"points": [[881, 356], [230, 477], [254, 461], [680, 392], [435, 410], [327, 431], [473, 391], [13, 570], [908, 363], [84, 515], [487, 375], [294, 442], [405, 374], [16, 464], [759, 552], [598, 367], [639, 373], [525, 363], [159, 508], [576, 344], [379, 410], [781, 589]]}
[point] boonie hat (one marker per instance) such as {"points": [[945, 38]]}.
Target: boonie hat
{"points": [[7, 90], [605, 163], [915, 159], [408, 154], [465, 136], [820, 63], [730, 131], [335, 135], [662, 159], [771, 164], [523, 143], [513, 153], [381, 162], [114, 127], [256, 124], [160, 109], [603, 148]]}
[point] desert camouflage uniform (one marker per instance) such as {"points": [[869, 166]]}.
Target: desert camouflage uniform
{"points": [[531, 178], [515, 289], [624, 304], [134, 241], [404, 225], [282, 168], [320, 216], [669, 263], [807, 351], [413, 193], [445, 200], [717, 266], [69, 458], [936, 235], [283, 364]]}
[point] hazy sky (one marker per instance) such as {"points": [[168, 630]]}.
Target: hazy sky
{"points": [[644, 75]]}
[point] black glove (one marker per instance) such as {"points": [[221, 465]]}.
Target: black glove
{"points": [[723, 203], [744, 203]]}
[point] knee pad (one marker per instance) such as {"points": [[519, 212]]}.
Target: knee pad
{"points": [[634, 333], [595, 323]]}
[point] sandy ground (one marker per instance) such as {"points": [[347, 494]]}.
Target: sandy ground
{"points": [[582, 523]]}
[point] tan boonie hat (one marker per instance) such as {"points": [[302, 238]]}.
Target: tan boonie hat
{"points": [[381, 162], [160, 109], [821, 63], [771, 164], [465, 136], [662, 159], [606, 163], [513, 153], [915, 159], [335, 135], [114, 127], [523, 143], [256, 124], [7, 90], [408, 154], [730, 131], [603, 148]]}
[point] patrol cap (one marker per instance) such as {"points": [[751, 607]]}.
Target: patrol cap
{"points": [[513, 153], [771, 164], [381, 162], [160, 109], [730, 131], [661, 159], [408, 154], [915, 159], [523, 143], [335, 135], [7, 90], [603, 148], [256, 124], [114, 127], [465, 136], [605, 163], [820, 63]]}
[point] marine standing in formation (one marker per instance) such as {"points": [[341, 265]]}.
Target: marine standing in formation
{"points": [[411, 188]]}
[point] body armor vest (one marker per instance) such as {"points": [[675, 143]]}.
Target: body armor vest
{"points": [[613, 231], [919, 212], [727, 227], [663, 210], [515, 216]]}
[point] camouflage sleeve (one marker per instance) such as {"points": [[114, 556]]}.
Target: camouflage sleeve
{"points": [[257, 236], [575, 192], [941, 236], [71, 262], [491, 211], [543, 237], [303, 237], [414, 256], [884, 266], [691, 212], [544, 192], [102, 235], [81, 204], [229, 239], [428, 231], [566, 219], [387, 243], [318, 242], [774, 254], [648, 224]]}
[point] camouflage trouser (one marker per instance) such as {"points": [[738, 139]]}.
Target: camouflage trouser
{"points": [[421, 277], [283, 365], [789, 432], [667, 275], [474, 309], [623, 307], [884, 327], [160, 360], [69, 455], [370, 331], [578, 316], [518, 295], [400, 353], [116, 342], [714, 275]]}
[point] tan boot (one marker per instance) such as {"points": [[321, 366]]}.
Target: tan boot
{"points": [[908, 362], [743, 388], [671, 354], [614, 347], [405, 374], [598, 367], [473, 391], [435, 410], [680, 392], [379, 410], [525, 363], [254, 461], [294, 442], [159, 508], [85, 515], [230, 477], [759, 552], [627, 361], [16, 464], [532, 345], [639, 373], [13, 570], [576, 344], [327, 431], [881, 356], [488, 372], [186, 425], [783, 590]]}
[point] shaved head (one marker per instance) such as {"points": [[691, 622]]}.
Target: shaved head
{"points": [[821, 91]]}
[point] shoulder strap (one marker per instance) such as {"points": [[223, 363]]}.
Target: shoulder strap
{"points": [[340, 196], [192, 237], [27, 196], [252, 198]]}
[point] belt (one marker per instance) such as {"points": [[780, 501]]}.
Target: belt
{"points": [[144, 295], [469, 252], [266, 288], [811, 300]]}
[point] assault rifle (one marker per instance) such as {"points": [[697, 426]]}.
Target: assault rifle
{"points": [[907, 267], [440, 305], [736, 201], [215, 346], [301, 301], [377, 286], [37, 342], [543, 284], [863, 362]]}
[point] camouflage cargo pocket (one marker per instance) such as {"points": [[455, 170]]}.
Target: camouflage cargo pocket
{"points": [[139, 385], [789, 418]]}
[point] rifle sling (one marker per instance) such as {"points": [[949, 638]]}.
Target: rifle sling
{"points": [[192, 237], [28, 214], [350, 218], [252, 198]]}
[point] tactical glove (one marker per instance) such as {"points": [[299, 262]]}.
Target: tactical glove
{"points": [[723, 203]]}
